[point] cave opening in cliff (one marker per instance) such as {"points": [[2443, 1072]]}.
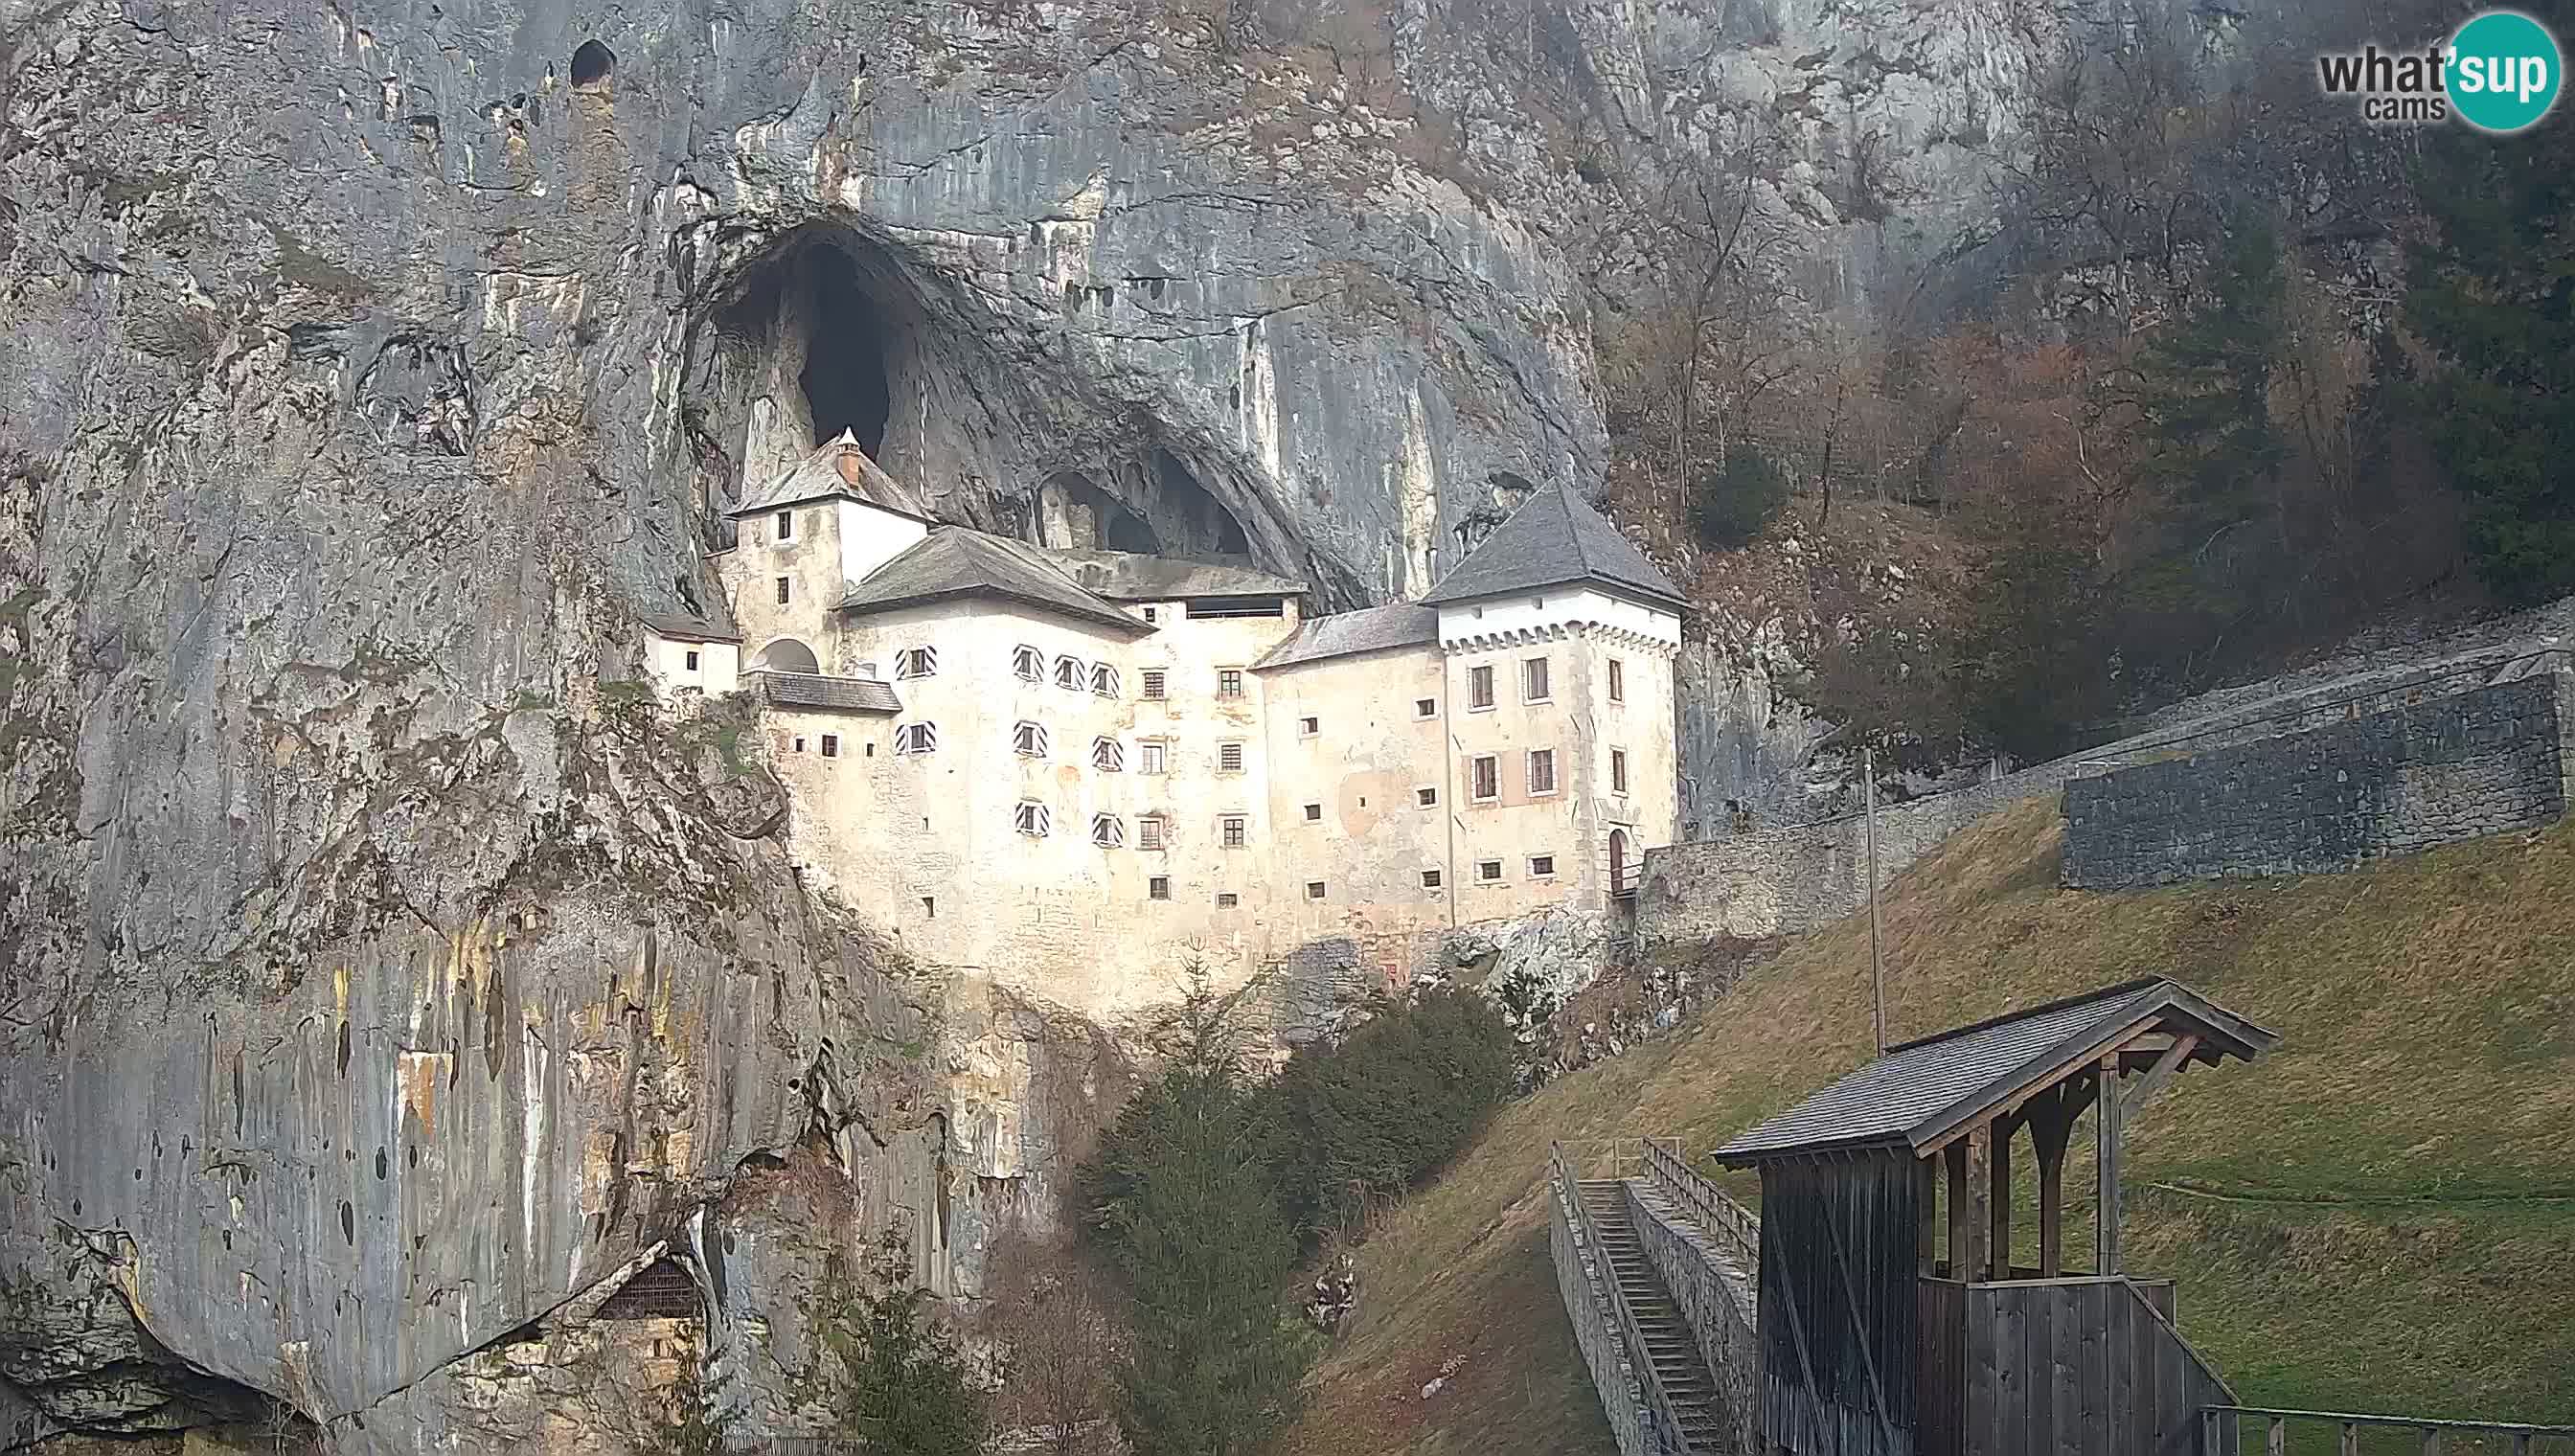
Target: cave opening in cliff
{"points": [[1075, 512], [845, 357], [1188, 517]]}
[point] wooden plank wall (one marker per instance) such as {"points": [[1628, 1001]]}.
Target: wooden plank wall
{"points": [[1940, 1370], [2079, 1367], [1839, 1250]]}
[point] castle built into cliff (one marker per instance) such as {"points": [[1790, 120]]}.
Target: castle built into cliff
{"points": [[1041, 763]]}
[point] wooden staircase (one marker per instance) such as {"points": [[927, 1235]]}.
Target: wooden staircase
{"points": [[1679, 1367]]}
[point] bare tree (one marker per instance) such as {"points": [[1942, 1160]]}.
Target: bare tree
{"points": [[1056, 1318]]}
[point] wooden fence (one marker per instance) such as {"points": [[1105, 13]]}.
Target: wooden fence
{"points": [[2226, 1429]]}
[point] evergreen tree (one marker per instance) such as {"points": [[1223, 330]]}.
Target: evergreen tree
{"points": [[2492, 291], [1181, 1204]]}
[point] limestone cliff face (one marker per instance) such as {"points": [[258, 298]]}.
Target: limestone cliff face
{"points": [[376, 973]]}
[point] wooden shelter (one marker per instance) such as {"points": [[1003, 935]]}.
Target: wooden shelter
{"points": [[1886, 1328]]}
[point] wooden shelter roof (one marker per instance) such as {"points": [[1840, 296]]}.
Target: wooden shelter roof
{"points": [[1921, 1092]]}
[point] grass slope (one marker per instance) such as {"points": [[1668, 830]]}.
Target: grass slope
{"points": [[2380, 1216]]}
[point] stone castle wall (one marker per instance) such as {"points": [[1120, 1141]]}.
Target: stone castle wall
{"points": [[1791, 879], [2484, 761]]}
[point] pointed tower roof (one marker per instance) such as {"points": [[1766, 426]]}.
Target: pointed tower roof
{"points": [[836, 468], [1554, 538]]}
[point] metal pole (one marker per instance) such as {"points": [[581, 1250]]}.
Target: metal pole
{"points": [[1876, 960]]}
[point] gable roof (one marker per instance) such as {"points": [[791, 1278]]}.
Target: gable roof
{"points": [[1347, 633], [813, 689], [678, 627], [1553, 538], [836, 468], [953, 561], [1127, 575], [1923, 1089]]}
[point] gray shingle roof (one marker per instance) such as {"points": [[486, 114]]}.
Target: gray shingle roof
{"points": [[1555, 537], [838, 466], [688, 628], [1921, 1089], [831, 694], [1127, 575], [953, 561], [1343, 633]]}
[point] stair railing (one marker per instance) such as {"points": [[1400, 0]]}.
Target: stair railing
{"points": [[1667, 1431], [1716, 1210], [2219, 1423]]}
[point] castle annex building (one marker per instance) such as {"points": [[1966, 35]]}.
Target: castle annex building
{"points": [[1036, 762]]}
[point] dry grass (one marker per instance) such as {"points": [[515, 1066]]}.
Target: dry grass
{"points": [[2379, 1216]]}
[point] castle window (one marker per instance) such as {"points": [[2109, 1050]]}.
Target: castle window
{"points": [[1031, 819], [1431, 880], [1426, 797], [1228, 682], [1226, 900], [1542, 770], [1103, 680], [1534, 680], [1069, 674], [1153, 614], [1425, 708], [913, 738], [1618, 770], [1237, 830], [1314, 889], [785, 526], [693, 662], [1028, 739], [1486, 777], [1314, 813], [1107, 831], [800, 745], [912, 662], [1542, 866], [1480, 687], [1228, 757], [1108, 756], [1028, 664], [1150, 755], [930, 907], [1307, 728], [1617, 681], [831, 746], [1152, 682], [1488, 871], [1159, 887], [785, 589], [1149, 831]]}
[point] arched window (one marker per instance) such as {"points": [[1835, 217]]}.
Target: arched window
{"points": [[1107, 831], [1108, 756], [1028, 664], [1028, 739], [1031, 819], [1069, 673], [915, 662], [1103, 680], [915, 738], [786, 654]]}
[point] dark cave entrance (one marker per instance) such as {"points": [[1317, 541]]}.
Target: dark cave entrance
{"points": [[844, 380], [1074, 514]]}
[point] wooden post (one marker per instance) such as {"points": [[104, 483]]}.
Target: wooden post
{"points": [[1926, 1178], [1974, 1211], [2106, 1136], [2049, 1126], [1999, 1207], [1957, 1169]]}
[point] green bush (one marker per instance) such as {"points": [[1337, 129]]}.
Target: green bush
{"points": [[1732, 504]]}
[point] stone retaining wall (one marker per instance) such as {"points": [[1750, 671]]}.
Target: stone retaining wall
{"points": [[1788, 880], [2484, 761]]}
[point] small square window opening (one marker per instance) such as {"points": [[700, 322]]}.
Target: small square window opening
{"points": [[1307, 728], [1149, 832], [1431, 880], [1237, 830], [1488, 871], [831, 746], [1226, 900], [1151, 756], [1152, 682], [1426, 797], [1542, 866], [1314, 813], [1425, 708], [1228, 757], [1228, 682], [1159, 887], [1314, 889], [693, 662]]}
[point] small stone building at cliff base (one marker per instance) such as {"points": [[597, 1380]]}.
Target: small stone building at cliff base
{"points": [[1078, 770]]}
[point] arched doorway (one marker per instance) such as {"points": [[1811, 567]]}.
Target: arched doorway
{"points": [[1619, 861], [786, 654]]}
